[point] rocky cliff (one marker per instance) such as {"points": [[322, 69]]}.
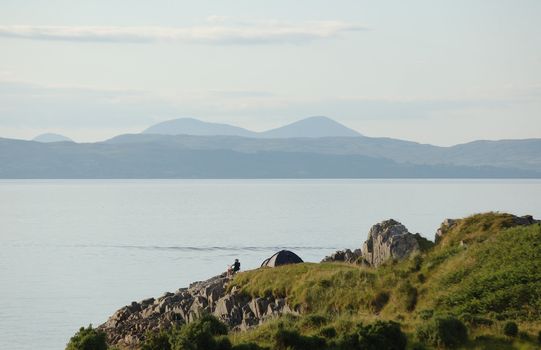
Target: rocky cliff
{"points": [[387, 240], [128, 326]]}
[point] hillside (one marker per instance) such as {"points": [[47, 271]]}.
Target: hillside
{"points": [[165, 156], [469, 290], [485, 271]]}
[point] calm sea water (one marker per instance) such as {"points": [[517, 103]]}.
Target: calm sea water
{"points": [[72, 252]]}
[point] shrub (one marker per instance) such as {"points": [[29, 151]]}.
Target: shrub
{"points": [[379, 301], [510, 329], [223, 343], [443, 332], [314, 320], [247, 346], [156, 341], [327, 332], [88, 339], [382, 335], [200, 335], [539, 337], [292, 340]]}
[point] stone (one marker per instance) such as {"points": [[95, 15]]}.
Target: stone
{"points": [[258, 306], [388, 240], [344, 256], [127, 327], [445, 225]]}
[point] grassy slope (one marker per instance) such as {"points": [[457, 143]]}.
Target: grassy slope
{"points": [[492, 277]]}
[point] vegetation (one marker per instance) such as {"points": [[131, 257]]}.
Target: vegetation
{"points": [[474, 289], [484, 272], [87, 339], [443, 332], [510, 329]]}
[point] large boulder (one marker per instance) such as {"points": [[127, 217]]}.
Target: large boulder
{"points": [[388, 240]]}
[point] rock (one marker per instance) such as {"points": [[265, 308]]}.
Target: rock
{"points": [[344, 255], [258, 306], [388, 240], [445, 225], [525, 220], [127, 327]]}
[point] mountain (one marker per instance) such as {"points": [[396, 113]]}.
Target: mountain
{"points": [[509, 154], [166, 156], [308, 127], [50, 137], [191, 126], [311, 127]]}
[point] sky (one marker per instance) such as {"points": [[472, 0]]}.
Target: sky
{"points": [[432, 71]]}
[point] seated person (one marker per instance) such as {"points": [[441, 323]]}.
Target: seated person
{"points": [[236, 266]]}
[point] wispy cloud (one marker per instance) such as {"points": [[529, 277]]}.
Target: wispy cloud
{"points": [[215, 31]]}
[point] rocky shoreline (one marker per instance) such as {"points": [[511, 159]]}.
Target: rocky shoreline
{"points": [[127, 326]]}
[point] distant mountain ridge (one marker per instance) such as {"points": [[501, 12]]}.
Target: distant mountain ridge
{"points": [[192, 126], [51, 137], [232, 157], [315, 147], [311, 127]]}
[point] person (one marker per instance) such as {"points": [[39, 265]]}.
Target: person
{"points": [[236, 266]]}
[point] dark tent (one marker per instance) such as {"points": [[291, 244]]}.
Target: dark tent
{"points": [[283, 257]]}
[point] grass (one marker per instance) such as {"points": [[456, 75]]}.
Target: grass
{"points": [[483, 271]]}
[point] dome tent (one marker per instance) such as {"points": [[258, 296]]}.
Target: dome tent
{"points": [[283, 257]]}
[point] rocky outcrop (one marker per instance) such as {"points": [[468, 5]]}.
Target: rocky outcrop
{"points": [[525, 220], [448, 224], [127, 327], [344, 256], [388, 240], [444, 227]]}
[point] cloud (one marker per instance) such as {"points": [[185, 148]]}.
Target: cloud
{"points": [[215, 31]]}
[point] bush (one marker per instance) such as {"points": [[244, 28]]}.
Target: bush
{"points": [[200, 335], [88, 339], [510, 329], [247, 346], [291, 340], [379, 301], [539, 337], [443, 332], [314, 320], [156, 341], [382, 335], [328, 332]]}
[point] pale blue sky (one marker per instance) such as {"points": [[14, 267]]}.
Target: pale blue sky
{"points": [[442, 72]]}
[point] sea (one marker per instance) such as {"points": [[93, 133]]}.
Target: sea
{"points": [[74, 251]]}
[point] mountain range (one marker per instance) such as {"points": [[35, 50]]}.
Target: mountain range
{"points": [[315, 147], [309, 127]]}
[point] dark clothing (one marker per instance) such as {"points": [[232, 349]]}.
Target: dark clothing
{"points": [[236, 266]]}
